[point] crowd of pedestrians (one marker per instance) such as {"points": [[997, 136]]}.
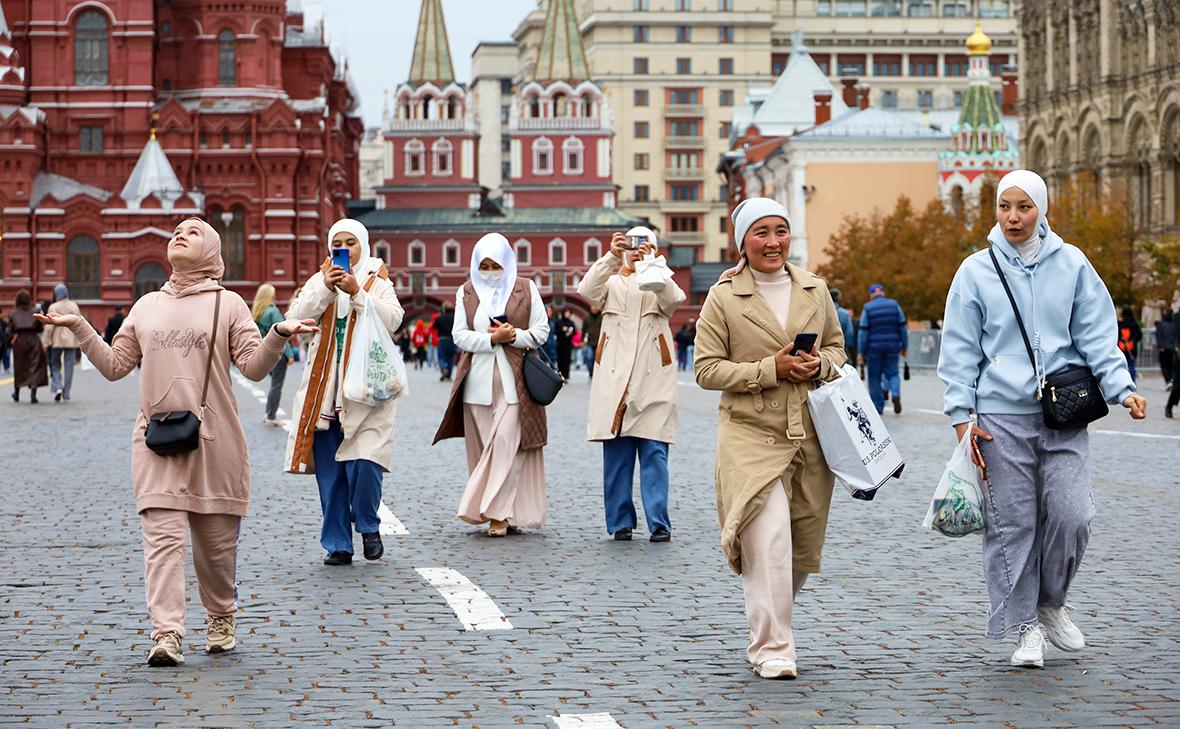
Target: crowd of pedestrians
{"points": [[190, 470]]}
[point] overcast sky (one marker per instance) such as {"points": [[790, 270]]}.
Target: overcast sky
{"points": [[378, 37]]}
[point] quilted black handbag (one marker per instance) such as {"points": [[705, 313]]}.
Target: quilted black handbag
{"points": [[541, 377], [177, 432], [1074, 398]]}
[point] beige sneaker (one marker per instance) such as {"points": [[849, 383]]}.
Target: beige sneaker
{"points": [[220, 636], [776, 668], [167, 651]]}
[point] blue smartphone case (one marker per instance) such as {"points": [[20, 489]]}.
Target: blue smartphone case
{"points": [[340, 258]]}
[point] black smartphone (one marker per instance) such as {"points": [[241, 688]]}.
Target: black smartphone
{"points": [[500, 320], [804, 341]]}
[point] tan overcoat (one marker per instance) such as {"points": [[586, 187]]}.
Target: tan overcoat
{"points": [[633, 391], [764, 429]]}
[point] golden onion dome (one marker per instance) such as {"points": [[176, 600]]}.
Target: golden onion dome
{"points": [[979, 44]]}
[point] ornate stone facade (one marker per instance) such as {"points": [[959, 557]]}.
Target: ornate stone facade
{"points": [[1101, 97]]}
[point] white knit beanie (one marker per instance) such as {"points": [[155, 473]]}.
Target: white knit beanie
{"points": [[751, 211]]}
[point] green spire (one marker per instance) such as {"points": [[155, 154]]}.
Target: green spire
{"points": [[980, 110], [560, 56], [432, 50]]}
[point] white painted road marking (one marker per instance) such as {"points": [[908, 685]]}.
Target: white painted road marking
{"points": [[1127, 433], [390, 524], [586, 721], [472, 605]]}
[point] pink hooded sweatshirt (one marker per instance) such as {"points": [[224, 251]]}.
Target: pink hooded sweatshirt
{"points": [[168, 331]]}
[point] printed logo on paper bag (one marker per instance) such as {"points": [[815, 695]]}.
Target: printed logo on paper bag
{"points": [[856, 414]]}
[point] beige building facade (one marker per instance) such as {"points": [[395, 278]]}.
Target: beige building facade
{"points": [[1101, 98]]}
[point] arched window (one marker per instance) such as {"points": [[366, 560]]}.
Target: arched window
{"points": [[572, 155], [451, 253], [148, 278], [561, 105], [82, 276], [524, 252], [586, 106], [534, 107], [417, 253], [231, 226], [591, 250], [542, 157], [442, 153], [382, 250], [452, 108], [227, 74], [557, 252], [91, 49], [415, 158]]}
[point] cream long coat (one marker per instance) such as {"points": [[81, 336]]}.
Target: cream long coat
{"points": [[368, 431], [633, 391], [763, 423]]}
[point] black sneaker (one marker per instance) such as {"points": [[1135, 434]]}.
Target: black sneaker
{"points": [[623, 535], [338, 558], [661, 535], [57, 396], [373, 547], [897, 404]]}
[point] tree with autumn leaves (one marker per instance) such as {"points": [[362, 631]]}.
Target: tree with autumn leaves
{"points": [[915, 253]]}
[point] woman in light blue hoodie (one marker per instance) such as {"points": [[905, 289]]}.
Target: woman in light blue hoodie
{"points": [[1038, 496]]}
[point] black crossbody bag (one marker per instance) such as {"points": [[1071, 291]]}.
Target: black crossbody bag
{"points": [[177, 432], [541, 377], [1075, 400]]}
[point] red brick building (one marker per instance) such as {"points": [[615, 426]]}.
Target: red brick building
{"points": [[119, 118]]}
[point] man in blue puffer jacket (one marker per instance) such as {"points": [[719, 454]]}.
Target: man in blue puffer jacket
{"points": [[884, 335]]}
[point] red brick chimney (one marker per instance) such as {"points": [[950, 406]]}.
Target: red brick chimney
{"points": [[1010, 94], [849, 92], [862, 96], [823, 106]]}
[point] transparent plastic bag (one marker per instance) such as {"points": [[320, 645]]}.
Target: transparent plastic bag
{"points": [[376, 371], [957, 507]]}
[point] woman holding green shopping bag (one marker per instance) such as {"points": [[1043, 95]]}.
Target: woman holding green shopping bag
{"points": [[266, 315]]}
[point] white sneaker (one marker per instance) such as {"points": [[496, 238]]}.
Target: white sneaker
{"points": [[1030, 652], [776, 668], [1060, 629]]}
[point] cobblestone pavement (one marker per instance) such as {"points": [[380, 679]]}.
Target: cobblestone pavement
{"points": [[891, 633]]}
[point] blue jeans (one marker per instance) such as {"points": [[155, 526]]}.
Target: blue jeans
{"points": [[62, 361], [618, 472], [882, 369], [446, 355], [350, 491]]}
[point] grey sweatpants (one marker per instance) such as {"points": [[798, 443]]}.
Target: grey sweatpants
{"points": [[1039, 506]]}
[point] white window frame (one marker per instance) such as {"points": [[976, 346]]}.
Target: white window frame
{"points": [[555, 245], [416, 246], [412, 148], [573, 144], [597, 245], [383, 246], [440, 150], [527, 247], [448, 247], [542, 144]]}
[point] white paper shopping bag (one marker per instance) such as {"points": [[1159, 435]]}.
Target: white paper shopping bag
{"points": [[856, 445]]}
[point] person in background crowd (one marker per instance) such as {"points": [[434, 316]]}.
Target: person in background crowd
{"points": [[420, 339], [432, 341], [29, 368], [591, 333], [565, 342], [403, 342], [684, 339], [1165, 344], [633, 399], [444, 325], [1129, 337], [113, 325], [202, 495], [884, 335], [348, 445], [5, 345], [846, 326], [1038, 499], [499, 316], [578, 342], [61, 346], [550, 345], [266, 315]]}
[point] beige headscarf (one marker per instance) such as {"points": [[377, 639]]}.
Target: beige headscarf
{"points": [[203, 275]]}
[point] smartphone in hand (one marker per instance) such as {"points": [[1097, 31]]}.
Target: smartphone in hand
{"points": [[804, 342], [340, 258], [499, 320]]}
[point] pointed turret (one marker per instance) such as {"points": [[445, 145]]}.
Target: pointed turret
{"points": [[560, 57], [12, 71], [153, 175], [431, 62]]}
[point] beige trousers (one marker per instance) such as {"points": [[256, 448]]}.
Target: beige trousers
{"points": [[506, 482], [767, 579], [215, 550]]}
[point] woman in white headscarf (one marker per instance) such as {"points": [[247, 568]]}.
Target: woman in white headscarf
{"points": [[498, 318], [1038, 500], [348, 445]]}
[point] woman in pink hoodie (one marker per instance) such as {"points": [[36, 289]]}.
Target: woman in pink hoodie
{"points": [[204, 492]]}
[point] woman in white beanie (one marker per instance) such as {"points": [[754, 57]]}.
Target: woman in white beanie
{"points": [[348, 445], [773, 483]]}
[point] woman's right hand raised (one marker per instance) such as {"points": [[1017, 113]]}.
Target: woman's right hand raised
{"points": [[619, 244], [58, 320], [976, 433]]}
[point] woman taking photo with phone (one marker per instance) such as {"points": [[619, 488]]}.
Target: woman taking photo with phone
{"points": [[348, 445], [186, 335], [633, 398], [998, 360], [773, 483], [498, 318]]}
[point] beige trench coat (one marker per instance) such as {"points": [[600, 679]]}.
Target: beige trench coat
{"points": [[633, 391], [368, 431], [764, 429]]}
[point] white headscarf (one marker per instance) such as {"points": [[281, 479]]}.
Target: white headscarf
{"points": [[358, 229], [751, 211], [493, 287], [1033, 186]]}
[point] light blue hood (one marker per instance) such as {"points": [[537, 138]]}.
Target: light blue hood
{"points": [[1067, 311]]}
